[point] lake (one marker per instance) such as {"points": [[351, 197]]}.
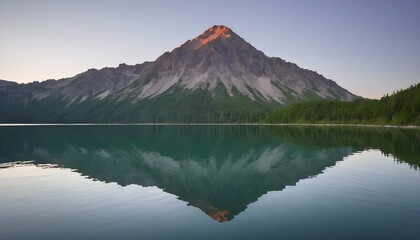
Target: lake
{"points": [[209, 182]]}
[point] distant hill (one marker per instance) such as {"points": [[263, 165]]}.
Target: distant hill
{"points": [[215, 77], [5, 84], [401, 108]]}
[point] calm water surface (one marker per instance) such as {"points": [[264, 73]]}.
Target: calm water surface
{"points": [[207, 182]]}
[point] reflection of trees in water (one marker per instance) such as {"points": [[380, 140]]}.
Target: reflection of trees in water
{"points": [[403, 144]]}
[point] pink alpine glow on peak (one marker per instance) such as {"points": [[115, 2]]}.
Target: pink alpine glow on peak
{"points": [[217, 31]]}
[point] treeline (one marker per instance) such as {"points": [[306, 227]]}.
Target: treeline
{"points": [[401, 108], [199, 106]]}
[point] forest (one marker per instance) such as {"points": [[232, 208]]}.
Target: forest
{"points": [[400, 108]]}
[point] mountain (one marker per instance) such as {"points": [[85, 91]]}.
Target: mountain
{"points": [[215, 77]]}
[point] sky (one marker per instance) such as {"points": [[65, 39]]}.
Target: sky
{"points": [[371, 48]]}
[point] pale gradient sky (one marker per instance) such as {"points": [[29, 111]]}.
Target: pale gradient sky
{"points": [[368, 47]]}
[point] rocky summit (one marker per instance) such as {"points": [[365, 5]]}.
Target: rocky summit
{"points": [[215, 77]]}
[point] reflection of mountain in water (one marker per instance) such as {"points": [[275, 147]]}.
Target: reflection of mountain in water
{"points": [[219, 169]]}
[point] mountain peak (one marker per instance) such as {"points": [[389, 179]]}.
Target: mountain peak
{"points": [[215, 32]]}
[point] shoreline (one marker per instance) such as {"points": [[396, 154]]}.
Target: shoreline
{"points": [[210, 124]]}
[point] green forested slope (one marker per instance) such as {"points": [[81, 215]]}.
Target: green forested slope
{"points": [[199, 106], [401, 108]]}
